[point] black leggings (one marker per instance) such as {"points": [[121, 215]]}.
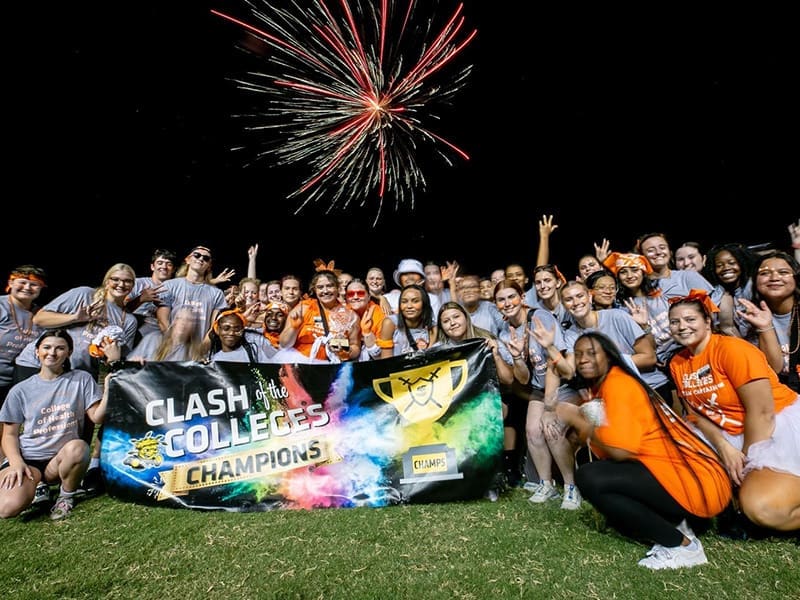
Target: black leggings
{"points": [[632, 500]]}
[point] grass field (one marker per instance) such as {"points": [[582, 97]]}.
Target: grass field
{"points": [[471, 550]]}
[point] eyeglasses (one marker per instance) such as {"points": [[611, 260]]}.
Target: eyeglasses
{"points": [[203, 257], [118, 280], [782, 273], [356, 294]]}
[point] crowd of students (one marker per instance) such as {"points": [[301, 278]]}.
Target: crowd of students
{"points": [[681, 382]]}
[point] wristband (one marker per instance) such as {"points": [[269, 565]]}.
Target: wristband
{"points": [[548, 408], [766, 329]]}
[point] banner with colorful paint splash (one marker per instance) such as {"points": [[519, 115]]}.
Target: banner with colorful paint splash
{"points": [[424, 427]]}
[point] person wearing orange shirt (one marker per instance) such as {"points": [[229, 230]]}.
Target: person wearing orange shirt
{"points": [[655, 474], [321, 328], [736, 401]]}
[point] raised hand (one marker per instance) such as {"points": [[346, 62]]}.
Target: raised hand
{"points": [[366, 320], [760, 317], [516, 343], [546, 226], [638, 311], [225, 275], [542, 334], [602, 250]]}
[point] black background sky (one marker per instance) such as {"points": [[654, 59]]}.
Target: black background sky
{"points": [[618, 121]]}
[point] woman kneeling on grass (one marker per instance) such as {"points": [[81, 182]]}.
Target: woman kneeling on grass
{"points": [[738, 404], [50, 408], [654, 472]]}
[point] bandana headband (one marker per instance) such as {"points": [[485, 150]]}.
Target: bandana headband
{"points": [[277, 306], [225, 313], [18, 275], [696, 295], [618, 260]]}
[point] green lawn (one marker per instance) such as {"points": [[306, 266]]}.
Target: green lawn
{"points": [[471, 550]]}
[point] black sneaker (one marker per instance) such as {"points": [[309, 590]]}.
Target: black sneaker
{"points": [[93, 483], [42, 495]]}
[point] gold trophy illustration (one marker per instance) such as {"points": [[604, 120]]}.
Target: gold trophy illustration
{"points": [[425, 393]]}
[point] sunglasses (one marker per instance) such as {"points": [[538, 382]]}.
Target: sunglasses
{"points": [[356, 294], [203, 257]]}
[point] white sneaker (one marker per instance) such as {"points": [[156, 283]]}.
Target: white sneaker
{"points": [[531, 486], [572, 497], [654, 549], [660, 557], [547, 491]]}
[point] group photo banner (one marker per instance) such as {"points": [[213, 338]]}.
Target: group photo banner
{"points": [[419, 428]]}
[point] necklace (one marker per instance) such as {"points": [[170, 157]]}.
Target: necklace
{"points": [[24, 332]]}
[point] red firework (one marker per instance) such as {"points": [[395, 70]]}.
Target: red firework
{"points": [[350, 89]]}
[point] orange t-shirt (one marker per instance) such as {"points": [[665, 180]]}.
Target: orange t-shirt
{"points": [[682, 463], [340, 320], [708, 381]]}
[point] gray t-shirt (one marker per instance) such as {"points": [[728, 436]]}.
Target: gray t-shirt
{"points": [[202, 298], [82, 334], [16, 331], [51, 412]]}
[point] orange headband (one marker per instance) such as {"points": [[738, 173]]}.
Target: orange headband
{"points": [[696, 295], [225, 313], [277, 305], [320, 265], [617, 260], [18, 275]]}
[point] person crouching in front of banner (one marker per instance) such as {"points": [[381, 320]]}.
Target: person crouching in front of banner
{"points": [[56, 453], [655, 474]]}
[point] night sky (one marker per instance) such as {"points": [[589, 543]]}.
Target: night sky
{"points": [[119, 119]]}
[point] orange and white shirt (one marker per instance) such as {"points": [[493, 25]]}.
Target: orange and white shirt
{"points": [[709, 380]]}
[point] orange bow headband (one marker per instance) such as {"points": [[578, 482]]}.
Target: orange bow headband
{"points": [[617, 260], [696, 295], [18, 275], [321, 265], [225, 313]]}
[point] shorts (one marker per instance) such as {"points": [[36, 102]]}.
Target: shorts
{"points": [[565, 394], [39, 464]]}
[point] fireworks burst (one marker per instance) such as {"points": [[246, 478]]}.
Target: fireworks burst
{"points": [[352, 85]]}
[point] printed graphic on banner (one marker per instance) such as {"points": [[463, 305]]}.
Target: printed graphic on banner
{"points": [[425, 427]]}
